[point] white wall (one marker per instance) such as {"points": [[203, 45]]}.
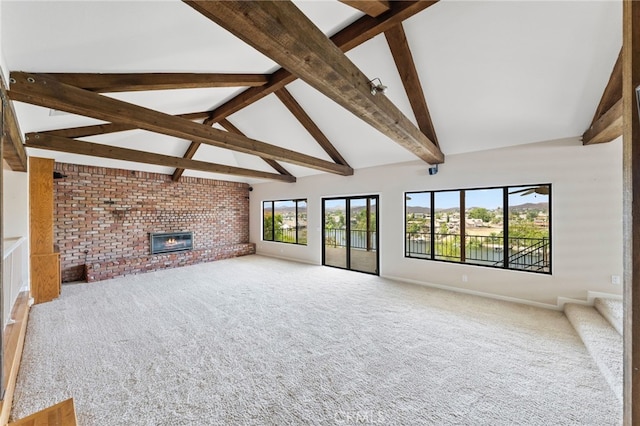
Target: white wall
{"points": [[3, 62], [15, 196], [15, 193], [586, 216]]}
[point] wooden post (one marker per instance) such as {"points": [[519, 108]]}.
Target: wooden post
{"points": [[45, 262], [3, 101], [631, 215]]}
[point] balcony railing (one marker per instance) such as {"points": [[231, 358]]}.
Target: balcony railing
{"points": [[531, 254], [288, 235], [360, 239]]}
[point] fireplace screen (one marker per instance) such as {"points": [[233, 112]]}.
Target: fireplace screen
{"points": [[169, 242]]}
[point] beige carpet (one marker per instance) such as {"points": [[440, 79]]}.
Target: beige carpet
{"points": [[254, 340]]}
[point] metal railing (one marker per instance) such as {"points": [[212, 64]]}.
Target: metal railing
{"points": [[288, 235], [522, 253], [360, 239]]}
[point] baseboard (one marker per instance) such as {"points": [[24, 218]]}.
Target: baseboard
{"points": [[559, 306], [477, 293], [290, 259], [13, 337], [564, 300], [592, 295]]}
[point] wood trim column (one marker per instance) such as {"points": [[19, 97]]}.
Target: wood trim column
{"points": [[45, 262], [3, 101], [631, 210]]}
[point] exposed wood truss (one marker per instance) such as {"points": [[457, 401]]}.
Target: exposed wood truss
{"points": [[370, 7], [355, 34], [397, 40], [307, 53], [352, 36], [42, 90], [156, 81], [13, 151], [298, 112], [56, 143], [229, 127], [607, 121], [103, 129]]}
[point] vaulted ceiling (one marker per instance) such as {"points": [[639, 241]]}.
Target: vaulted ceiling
{"points": [[101, 82]]}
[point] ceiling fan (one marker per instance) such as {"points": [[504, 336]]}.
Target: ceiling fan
{"points": [[540, 189]]}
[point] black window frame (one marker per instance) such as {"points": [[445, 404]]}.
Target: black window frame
{"points": [[511, 262], [299, 230]]}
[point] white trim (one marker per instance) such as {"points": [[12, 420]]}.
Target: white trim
{"points": [[564, 300], [592, 295], [559, 306], [10, 244], [290, 259], [477, 293]]}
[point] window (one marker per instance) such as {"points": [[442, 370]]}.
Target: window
{"points": [[285, 221], [505, 227]]}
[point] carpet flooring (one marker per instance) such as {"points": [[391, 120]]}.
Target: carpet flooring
{"points": [[255, 340]]}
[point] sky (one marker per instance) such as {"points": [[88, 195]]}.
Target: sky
{"points": [[487, 198]]}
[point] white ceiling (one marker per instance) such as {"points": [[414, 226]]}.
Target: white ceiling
{"points": [[494, 74]]}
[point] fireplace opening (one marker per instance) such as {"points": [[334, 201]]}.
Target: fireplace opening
{"points": [[170, 242]]}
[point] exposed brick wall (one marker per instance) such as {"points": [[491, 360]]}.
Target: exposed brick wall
{"points": [[103, 218]]}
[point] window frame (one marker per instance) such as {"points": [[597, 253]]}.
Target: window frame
{"points": [[297, 234], [431, 255]]}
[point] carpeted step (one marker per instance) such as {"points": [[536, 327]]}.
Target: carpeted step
{"points": [[601, 340], [611, 309]]}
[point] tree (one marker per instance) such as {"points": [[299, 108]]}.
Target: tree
{"points": [[527, 230], [334, 221], [413, 227], [269, 228], [444, 229], [480, 213]]}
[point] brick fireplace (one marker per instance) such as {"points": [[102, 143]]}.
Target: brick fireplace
{"points": [[104, 219], [168, 242]]}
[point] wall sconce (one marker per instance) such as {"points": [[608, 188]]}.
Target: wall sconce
{"points": [[377, 88]]}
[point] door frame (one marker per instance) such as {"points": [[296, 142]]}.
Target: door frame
{"points": [[347, 200]]}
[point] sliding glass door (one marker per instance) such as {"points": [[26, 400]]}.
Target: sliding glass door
{"points": [[350, 233]]}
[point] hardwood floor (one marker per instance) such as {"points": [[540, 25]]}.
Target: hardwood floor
{"points": [[14, 335], [61, 414]]}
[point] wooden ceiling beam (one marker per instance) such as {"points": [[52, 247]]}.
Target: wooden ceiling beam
{"points": [[606, 128], [43, 90], [307, 53], [401, 52], [13, 150], [372, 8], [612, 92], [189, 154], [132, 82], [352, 36], [300, 114], [229, 127], [56, 143], [103, 129], [607, 121]]}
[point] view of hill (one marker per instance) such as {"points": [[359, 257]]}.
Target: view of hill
{"points": [[520, 207], [425, 210]]}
